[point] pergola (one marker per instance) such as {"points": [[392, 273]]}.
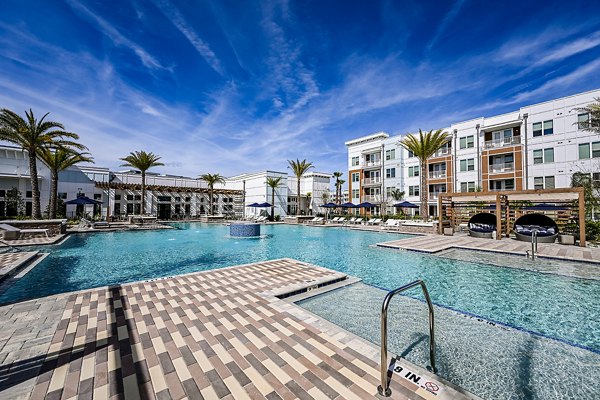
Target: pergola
{"points": [[165, 188], [508, 205]]}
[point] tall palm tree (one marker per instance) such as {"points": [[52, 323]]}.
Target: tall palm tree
{"points": [[397, 194], [299, 168], [423, 147], [273, 183], [211, 180], [58, 160], [593, 122], [142, 161], [32, 135], [338, 186]]}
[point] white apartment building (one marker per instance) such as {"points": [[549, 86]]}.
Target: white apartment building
{"points": [[286, 200], [536, 147]]}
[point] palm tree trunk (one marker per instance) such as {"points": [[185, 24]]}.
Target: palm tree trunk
{"points": [[143, 192], [53, 194], [298, 192], [210, 200], [273, 205], [35, 188], [424, 191]]}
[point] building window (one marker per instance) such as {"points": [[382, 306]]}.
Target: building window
{"points": [[355, 193], [583, 120], [413, 190], [549, 181], [390, 154], [596, 178], [467, 186], [60, 195], [584, 151], [117, 197], [130, 198], [138, 197], [538, 182], [544, 156], [97, 196], [355, 177], [467, 165], [354, 161], [413, 171], [28, 194], [410, 154], [390, 172], [595, 149], [2, 193], [467, 142], [545, 128]]}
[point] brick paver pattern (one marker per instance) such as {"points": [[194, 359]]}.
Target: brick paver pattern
{"points": [[212, 335]]}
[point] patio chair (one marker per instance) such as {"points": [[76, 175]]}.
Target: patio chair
{"points": [[377, 221], [546, 228], [358, 221], [482, 225], [391, 224], [351, 220], [370, 222]]}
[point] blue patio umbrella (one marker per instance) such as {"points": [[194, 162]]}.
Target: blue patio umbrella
{"points": [[263, 205], [406, 204], [545, 207], [366, 204], [82, 201], [252, 205], [347, 205], [329, 205]]}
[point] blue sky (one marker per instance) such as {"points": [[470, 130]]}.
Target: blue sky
{"points": [[240, 86]]}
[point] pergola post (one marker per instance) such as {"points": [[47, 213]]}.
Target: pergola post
{"points": [[440, 227], [498, 217], [581, 218]]}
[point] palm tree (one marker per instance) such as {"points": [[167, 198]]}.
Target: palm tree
{"points": [[397, 194], [58, 160], [299, 168], [32, 136], [273, 183], [593, 122], [142, 161], [338, 186], [211, 180], [423, 147]]}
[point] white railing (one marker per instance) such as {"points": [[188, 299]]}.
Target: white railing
{"points": [[372, 163], [437, 174], [372, 198], [500, 168], [442, 152], [507, 141], [371, 181], [434, 195]]}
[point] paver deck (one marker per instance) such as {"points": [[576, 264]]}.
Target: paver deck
{"points": [[9, 262], [437, 243], [220, 334]]}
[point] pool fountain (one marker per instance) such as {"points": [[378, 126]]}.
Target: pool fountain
{"points": [[244, 230]]}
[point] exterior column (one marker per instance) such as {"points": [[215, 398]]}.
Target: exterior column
{"points": [[440, 228], [526, 158], [479, 176], [581, 218], [498, 217]]}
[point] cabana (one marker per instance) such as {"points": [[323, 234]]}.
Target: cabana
{"points": [[482, 225], [564, 205], [546, 228]]}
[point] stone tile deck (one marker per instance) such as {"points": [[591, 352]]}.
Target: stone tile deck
{"points": [[9, 262], [219, 334], [437, 243], [35, 240]]}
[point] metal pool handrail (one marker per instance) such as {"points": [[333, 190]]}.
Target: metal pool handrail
{"points": [[384, 388]]}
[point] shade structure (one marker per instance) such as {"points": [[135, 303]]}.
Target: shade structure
{"points": [[83, 200], [545, 207], [406, 204], [366, 204], [329, 205], [252, 205], [348, 205], [264, 205]]}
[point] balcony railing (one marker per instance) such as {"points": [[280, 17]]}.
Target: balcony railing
{"points": [[372, 198], [372, 163], [507, 141], [372, 181], [442, 152], [500, 168], [434, 195], [437, 174]]}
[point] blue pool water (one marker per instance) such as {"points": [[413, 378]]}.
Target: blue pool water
{"points": [[557, 307]]}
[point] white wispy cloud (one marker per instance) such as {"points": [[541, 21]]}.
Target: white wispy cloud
{"points": [[178, 20], [446, 21], [115, 36]]}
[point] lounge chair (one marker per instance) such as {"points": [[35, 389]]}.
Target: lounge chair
{"points": [[391, 224], [370, 222], [312, 220], [358, 221], [336, 220], [376, 222], [13, 233], [351, 220], [342, 220], [482, 225], [546, 228], [100, 224]]}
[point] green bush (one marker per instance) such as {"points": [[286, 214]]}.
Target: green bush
{"points": [[592, 230]]}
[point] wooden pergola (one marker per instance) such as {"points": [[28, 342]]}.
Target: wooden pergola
{"points": [[508, 204], [165, 188]]}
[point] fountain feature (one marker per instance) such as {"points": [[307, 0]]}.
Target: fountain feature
{"points": [[244, 230]]}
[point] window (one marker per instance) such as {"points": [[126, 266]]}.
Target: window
{"points": [[538, 182], [355, 193], [390, 172], [410, 154], [28, 194], [97, 196], [2, 193], [117, 197], [355, 177], [467, 142], [509, 184], [390, 154], [545, 127], [584, 151], [467, 186], [178, 199], [544, 156], [467, 165], [583, 120], [413, 171], [549, 180], [413, 190], [354, 161], [388, 192], [138, 197], [188, 199], [596, 149], [130, 198], [596, 177]]}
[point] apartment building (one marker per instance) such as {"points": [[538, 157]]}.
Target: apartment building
{"points": [[256, 190], [539, 146]]}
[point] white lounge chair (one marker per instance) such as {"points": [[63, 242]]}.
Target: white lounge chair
{"points": [[376, 222], [335, 220], [358, 221], [351, 220], [342, 220], [312, 220], [390, 224], [371, 221]]}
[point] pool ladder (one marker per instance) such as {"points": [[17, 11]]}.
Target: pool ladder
{"points": [[384, 388], [534, 245]]}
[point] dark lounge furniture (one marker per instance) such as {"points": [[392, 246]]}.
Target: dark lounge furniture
{"points": [[482, 225], [546, 228]]}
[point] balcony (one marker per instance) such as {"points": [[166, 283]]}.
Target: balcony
{"points": [[507, 141], [434, 195], [372, 181], [372, 198], [442, 152], [437, 174], [502, 168], [371, 164]]}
